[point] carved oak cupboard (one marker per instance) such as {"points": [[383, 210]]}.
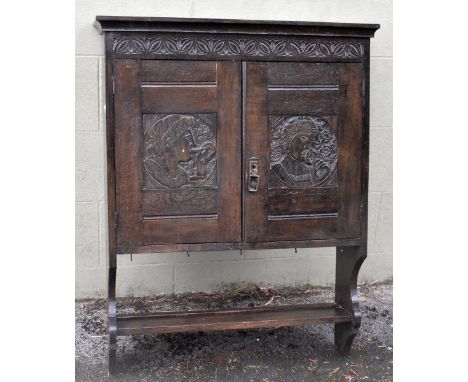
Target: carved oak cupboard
{"points": [[225, 134]]}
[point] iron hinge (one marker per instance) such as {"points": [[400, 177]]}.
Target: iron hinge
{"points": [[116, 219], [345, 91], [361, 210]]}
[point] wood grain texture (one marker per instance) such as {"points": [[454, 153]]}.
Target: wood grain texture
{"points": [[301, 73], [178, 71], [181, 230], [193, 247], [303, 102], [180, 202], [255, 116], [229, 159], [261, 317], [349, 154], [128, 148], [301, 227], [110, 152], [111, 207], [187, 99], [313, 200]]}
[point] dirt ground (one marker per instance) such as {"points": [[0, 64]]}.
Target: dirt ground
{"points": [[303, 353]]}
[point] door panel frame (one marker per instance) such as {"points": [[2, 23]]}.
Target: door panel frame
{"points": [[344, 220], [255, 126], [133, 229]]}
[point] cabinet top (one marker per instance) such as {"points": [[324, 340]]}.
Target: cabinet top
{"points": [[171, 24]]}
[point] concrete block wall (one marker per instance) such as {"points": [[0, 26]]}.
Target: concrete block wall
{"points": [[175, 272]]}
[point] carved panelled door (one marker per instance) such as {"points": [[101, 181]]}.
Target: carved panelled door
{"points": [[177, 151], [302, 129]]}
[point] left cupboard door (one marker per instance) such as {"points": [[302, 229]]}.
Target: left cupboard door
{"points": [[177, 151]]}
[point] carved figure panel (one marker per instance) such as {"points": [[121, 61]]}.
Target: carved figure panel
{"points": [[179, 151], [303, 152]]}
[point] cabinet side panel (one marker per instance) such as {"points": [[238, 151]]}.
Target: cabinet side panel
{"points": [[365, 145], [350, 153], [110, 144]]}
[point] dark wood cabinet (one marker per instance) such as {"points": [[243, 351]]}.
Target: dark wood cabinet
{"points": [[225, 134]]}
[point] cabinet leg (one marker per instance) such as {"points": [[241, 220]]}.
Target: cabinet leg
{"points": [[348, 264], [112, 355], [344, 336], [112, 321]]}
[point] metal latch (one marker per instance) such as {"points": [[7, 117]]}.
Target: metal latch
{"points": [[253, 175]]}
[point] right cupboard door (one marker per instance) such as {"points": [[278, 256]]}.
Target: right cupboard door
{"points": [[302, 150]]}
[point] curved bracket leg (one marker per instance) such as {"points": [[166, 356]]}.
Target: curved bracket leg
{"points": [[112, 321], [348, 264], [344, 336]]}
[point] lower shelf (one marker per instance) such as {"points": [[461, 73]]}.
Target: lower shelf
{"points": [[260, 317]]}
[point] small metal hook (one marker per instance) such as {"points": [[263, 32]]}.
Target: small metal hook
{"points": [[188, 254], [240, 250], [295, 250], [131, 256]]}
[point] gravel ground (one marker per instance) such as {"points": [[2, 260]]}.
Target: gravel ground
{"points": [[303, 353]]}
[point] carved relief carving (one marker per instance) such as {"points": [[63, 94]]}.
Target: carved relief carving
{"points": [[179, 151], [303, 152], [229, 46]]}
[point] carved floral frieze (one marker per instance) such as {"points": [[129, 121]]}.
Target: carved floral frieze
{"points": [[230, 46]]}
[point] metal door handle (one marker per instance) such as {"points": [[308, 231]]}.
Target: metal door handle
{"points": [[253, 175]]}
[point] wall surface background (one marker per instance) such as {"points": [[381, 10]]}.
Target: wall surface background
{"points": [[207, 271]]}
